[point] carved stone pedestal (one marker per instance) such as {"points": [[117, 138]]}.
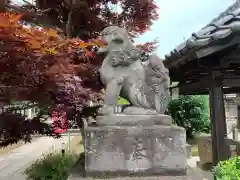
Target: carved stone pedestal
{"points": [[134, 120], [135, 150]]}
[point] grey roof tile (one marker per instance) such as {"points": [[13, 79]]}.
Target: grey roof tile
{"points": [[219, 28], [181, 47]]}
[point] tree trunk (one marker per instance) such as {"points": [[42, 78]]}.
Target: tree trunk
{"points": [[69, 24], [83, 135], [82, 124], [85, 124], [69, 21]]}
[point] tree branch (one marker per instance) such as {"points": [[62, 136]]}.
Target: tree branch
{"points": [[69, 20], [33, 14]]}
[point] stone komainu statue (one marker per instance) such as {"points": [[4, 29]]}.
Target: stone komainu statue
{"points": [[125, 71]]}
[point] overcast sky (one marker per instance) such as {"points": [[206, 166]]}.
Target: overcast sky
{"points": [[180, 18]]}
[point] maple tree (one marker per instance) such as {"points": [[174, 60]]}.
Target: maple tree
{"points": [[87, 18], [41, 66], [149, 47], [42, 60], [51, 69]]}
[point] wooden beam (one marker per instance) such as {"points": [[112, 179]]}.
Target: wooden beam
{"points": [[220, 149], [193, 87], [173, 61], [201, 85], [192, 70], [229, 44], [233, 90], [231, 80]]}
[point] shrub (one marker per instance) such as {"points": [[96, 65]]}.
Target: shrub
{"points": [[53, 166], [191, 113], [228, 170]]}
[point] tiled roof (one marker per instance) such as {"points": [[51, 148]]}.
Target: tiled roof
{"points": [[219, 28]]}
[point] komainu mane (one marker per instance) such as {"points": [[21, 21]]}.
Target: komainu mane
{"points": [[144, 82]]}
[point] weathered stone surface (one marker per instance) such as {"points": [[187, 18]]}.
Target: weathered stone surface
{"points": [[125, 150], [205, 149], [189, 150], [191, 174], [127, 71], [133, 120]]}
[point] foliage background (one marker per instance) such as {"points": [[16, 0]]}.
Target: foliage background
{"points": [[228, 170], [191, 113]]}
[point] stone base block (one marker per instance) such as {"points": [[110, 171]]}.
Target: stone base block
{"points": [[135, 150], [134, 120], [189, 150]]}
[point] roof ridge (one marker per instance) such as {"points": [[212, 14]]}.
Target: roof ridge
{"points": [[212, 33], [230, 9]]}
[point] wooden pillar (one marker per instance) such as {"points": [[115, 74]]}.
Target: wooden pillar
{"points": [[220, 148], [238, 116], [238, 110], [171, 88]]}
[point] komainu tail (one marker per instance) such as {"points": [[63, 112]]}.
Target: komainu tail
{"points": [[157, 79]]}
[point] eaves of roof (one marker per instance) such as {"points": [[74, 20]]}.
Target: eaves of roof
{"points": [[222, 27]]}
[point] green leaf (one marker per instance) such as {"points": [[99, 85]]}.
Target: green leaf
{"points": [[191, 112]]}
